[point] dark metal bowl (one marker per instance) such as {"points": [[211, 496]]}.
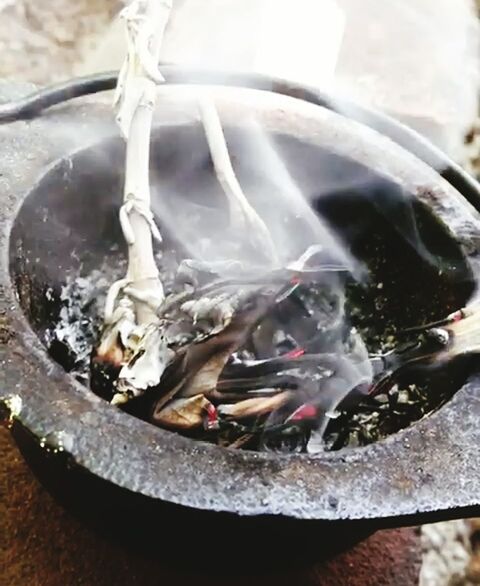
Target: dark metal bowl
{"points": [[60, 178]]}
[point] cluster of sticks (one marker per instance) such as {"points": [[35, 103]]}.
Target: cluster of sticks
{"points": [[133, 303], [182, 344], [188, 349], [429, 346]]}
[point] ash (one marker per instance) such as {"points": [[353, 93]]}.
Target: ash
{"points": [[79, 304], [374, 418], [75, 331], [316, 340], [381, 416]]}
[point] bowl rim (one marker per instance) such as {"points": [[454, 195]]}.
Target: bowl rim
{"points": [[331, 486]]}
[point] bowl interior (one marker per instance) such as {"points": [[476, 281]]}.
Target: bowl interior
{"points": [[68, 229]]}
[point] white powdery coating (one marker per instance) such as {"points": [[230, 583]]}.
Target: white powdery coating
{"points": [[446, 554]]}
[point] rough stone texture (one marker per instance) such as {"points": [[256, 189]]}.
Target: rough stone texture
{"points": [[417, 60], [361, 490], [425, 479]]}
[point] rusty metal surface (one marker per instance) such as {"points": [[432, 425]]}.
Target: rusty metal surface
{"points": [[430, 469]]}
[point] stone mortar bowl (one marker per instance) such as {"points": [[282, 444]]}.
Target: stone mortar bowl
{"points": [[60, 183]]}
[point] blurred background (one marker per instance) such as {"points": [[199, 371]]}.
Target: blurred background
{"points": [[418, 60]]}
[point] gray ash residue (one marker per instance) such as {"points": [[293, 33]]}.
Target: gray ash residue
{"points": [[81, 307], [368, 308], [81, 301], [79, 304], [376, 418]]}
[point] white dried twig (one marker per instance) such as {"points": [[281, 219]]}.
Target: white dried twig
{"points": [[242, 214], [145, 24], [141, 289], [133, 333]]}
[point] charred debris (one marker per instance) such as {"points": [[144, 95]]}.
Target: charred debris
{"points": [[262, 356]]}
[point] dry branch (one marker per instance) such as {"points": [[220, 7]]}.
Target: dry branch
{"points": [[242, 215], [140, 293]]}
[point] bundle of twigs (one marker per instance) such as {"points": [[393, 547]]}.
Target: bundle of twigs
{"points": [[197, 353], [184, 349]]}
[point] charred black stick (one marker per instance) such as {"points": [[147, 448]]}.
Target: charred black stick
{"points": [[234, 389], [279, 365]]}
